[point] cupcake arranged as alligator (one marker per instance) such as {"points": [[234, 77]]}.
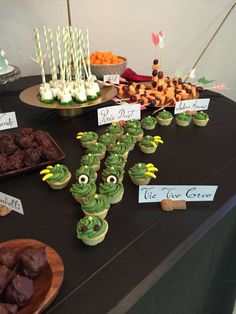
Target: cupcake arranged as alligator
{"points": [[107, 139], [115, 129], [81, 191], [114, 191], [95, 205], [98, 149], [86, 174], [87, 138], [149, 144], [57, 176], [183, 119], [115, 160], [92, 230], [148, 123], [91, 160], [120, 149], [164, 118], [200, 118], [129, 140], [141, 173], [112, 173]]}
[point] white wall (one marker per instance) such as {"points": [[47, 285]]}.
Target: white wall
{"points": [[124, 27]]}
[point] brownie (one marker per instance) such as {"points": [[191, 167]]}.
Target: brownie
{"points": [[26, 131], [16, 161], [42, 138], [3, 163], [32, 156], [33, 261], [7, 146], [8, 257], [25, 141], [50, 152], [6, 308], [19, 291], [5, 135], [6, 275]]}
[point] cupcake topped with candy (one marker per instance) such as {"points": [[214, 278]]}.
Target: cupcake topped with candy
{"points": [[57, 176], [85, 174], [87, 138], [148, 144], [200, 118], [91, 161], [112, 173], [149, 123], [141, 173], [115, 160]]}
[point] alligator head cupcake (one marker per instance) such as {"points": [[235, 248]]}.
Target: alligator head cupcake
{"points": [[115, 160], [116, 129], [149, 123], [164, 118], [141, 173], [85, 174], [129, 140], [107, 139], [120, 149], [132, 124], [200, 118], [96, 205], [113, 191], [112, 173], [183, 119], [149, 144], [87, 138], [57, 176], [137, 133], [91, 160], [97, 149], [81, 191], [92, 230]]}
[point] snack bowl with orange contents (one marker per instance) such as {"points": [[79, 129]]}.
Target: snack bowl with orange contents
{"points": [[105, 63]]}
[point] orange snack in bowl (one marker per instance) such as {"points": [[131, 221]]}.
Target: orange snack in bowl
{"points": [[98, 57]]}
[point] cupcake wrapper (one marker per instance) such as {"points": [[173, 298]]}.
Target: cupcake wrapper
{"points": [[96, 240], [164, 122], [117, 198], [59, 185], [140, 181], [138, 137], [198, 122], [147, 150], [182, 123], [101, 214], [148, 127], [89, 143]]}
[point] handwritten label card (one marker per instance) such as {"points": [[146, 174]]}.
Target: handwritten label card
{"points": [[8, 120], [112, 78], [124, 111], [191, 193], [192, 105], [11, 202]]}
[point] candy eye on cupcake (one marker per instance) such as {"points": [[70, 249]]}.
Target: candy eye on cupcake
{"points": [[83, 178], [112, 179]]}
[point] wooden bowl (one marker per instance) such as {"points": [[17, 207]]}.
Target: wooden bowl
{"points": [[104, 69]]}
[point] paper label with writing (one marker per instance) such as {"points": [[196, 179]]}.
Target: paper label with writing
{"points": [[8, 120], [190, 193], [124, 111], [192, 105], [11, 202], [112, 78]]}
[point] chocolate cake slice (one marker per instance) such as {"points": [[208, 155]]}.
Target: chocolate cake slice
{"points": [[20, 291], [33, 261]]}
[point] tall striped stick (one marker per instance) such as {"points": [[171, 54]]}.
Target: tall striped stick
{"points": [[54, 67], [65, 59], [39, 57], [58, 36], [47, 46], [88, 54]]}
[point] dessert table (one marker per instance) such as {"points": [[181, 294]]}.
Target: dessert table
{"points": [[150, 261]]}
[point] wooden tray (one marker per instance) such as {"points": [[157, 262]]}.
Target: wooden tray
{"points": [[47, 285], [38, 166]]}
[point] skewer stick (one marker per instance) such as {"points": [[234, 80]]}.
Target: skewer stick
{"points": [[38, 52]]}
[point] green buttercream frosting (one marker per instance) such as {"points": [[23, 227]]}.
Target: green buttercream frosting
{"points": [[115, 160], [119, 148], [90, 160], [83, 189], [95, 203], [89, 136], [133, 124], [107, 139], [116, 170], [96, 148], [90, 227], [135, 131], [128, 140], [110, 189], [138, 170], [146, 141], [115, 129], [90, 172], [164, 115], [149, 121], [200, 115], [184, 116], [60, 173]]}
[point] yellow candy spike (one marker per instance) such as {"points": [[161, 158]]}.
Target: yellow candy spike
{"points": [[78, 137], [156, 136], [150, 174], [49, 167], [153, 143], [149, 165], [44, 171], [158, 141], [152, 169], [80, 133], [47, 176]]}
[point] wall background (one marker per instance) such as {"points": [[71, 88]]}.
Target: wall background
{"points": [[124, 27]]}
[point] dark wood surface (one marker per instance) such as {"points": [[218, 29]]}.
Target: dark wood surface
{"points": [[143, 242]]}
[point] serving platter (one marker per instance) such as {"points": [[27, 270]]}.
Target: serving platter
{"points": [[46, 285]]}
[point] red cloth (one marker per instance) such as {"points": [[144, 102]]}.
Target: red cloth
{"points": [[130, 75]]}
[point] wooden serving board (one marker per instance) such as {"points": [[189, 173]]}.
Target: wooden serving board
{"points": [[47, 285]]}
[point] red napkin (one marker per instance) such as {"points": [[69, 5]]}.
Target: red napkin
{"points": [[130, 75]]}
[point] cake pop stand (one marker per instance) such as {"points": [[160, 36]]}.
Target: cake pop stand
{"points": [[30, 96]]}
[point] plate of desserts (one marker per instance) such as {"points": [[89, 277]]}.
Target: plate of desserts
{"points": [[31, 274], [27, 150]]}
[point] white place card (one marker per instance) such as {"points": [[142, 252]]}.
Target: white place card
{"points": [[11, 202], [124, 111], [190, 193], [112, 78], [8, 120], [192, 105]]}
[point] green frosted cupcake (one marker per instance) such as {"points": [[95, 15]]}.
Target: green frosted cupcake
{"points": [[137, 133], [149, 123], [91, 160], [96, 205], [148, 144], [107, 139], [97, 149], [141, 173], [183, 119], [115, 160], [200, 118], [81, 191], [57, 176], [113, 191], [129, 140], [92, 230], [86, 174], [113, 174], [164, 118], [132, 124], [87, 138], [116, 129], [120, 149]]}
